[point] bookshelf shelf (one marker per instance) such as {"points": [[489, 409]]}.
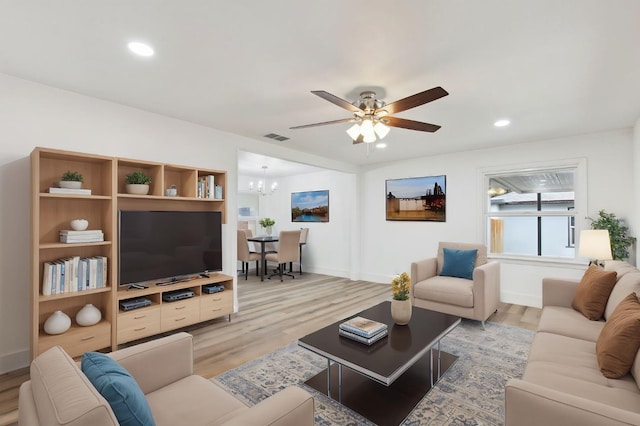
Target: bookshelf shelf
{"points": [[52, 212]]}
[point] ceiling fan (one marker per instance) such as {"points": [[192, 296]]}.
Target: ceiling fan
{"points": [[372, 115]]}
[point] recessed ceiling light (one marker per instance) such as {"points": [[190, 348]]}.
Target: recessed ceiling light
{"points": [[141, 49], [381, 145], [502, 122]]}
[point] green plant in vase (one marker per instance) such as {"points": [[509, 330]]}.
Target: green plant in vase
{"points": [[137, 178], [71, 179], [267, 223]]}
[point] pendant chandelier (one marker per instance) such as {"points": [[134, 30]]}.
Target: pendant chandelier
{"points": [[262, 184]]}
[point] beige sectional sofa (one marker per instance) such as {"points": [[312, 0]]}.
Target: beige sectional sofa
{"points": [[562, 383], [59, 393]]}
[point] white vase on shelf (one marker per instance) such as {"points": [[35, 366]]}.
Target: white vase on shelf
{"points": [[57, 323], [88, 315], [79, 224]]}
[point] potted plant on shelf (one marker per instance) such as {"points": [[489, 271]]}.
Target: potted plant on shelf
{"points": [[267, 223], [401, 303], [71, 180], [137, 183]]}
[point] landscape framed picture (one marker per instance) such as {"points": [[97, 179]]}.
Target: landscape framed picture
{"points": [[310, 206], [417, 198]]}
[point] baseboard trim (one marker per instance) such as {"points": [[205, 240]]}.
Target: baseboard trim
{"points": [[521, 299], [14, 361]]}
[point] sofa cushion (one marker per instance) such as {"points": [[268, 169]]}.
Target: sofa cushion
{"points": [[459, 263], [63, 395], [119, 388], [619, 341], [593, 292], [629, 283], [193, 401], [569, 322], [620, 267], [448, 290], [569, 365]]}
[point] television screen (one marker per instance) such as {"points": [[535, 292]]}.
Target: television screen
{"points": [[167, 245]]}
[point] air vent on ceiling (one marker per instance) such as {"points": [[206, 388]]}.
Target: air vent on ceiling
{"points": [[276, 137]]}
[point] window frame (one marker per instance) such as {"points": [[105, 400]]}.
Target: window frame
{"points": [[579, 167]]}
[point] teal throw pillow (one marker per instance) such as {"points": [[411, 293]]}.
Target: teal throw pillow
{"points": [[459, 263], [119, 388]]}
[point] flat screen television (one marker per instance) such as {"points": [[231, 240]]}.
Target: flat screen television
{"points": [[167, 246]]}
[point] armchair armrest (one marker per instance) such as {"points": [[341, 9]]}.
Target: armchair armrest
{"points": [[486, 288], [558, 292], [159, 362], [529, 404], [423, 269], [291, 406]]}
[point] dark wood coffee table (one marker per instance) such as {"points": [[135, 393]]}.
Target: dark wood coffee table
{"points": [[384, 381]]}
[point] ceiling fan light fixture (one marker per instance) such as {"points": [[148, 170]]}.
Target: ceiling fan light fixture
{"points": [[366, 130], [381, 129], [381, 145], [354, 131]]}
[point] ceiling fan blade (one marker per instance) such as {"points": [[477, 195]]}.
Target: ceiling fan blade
{"points": [[359, 140], [410, 124], [414, 100], [342, 120], [336, 100]]}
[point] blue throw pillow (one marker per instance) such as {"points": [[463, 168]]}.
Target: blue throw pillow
{"points": [[119, 388], [459, 263]]}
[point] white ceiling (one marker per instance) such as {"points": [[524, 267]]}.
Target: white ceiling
{"points": [[555, 68]]}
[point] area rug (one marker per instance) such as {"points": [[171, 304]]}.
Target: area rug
{"points": [[470, 393]]}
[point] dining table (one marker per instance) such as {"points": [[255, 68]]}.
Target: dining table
{"points": [[263, 240]]}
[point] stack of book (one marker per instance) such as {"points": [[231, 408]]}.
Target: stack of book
{"points": [[363, 330], [79, 191], [87, 236], [73, 274]]}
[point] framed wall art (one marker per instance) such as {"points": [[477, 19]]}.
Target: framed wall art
{"points": [[417, 199], [310, 206]]}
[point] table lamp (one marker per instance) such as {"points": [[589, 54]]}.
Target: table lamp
{"points": [[595, 245]]}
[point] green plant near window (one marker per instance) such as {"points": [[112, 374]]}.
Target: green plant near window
{"points": [[72, 176], [618, 233], [138, 178], [267, 221]]}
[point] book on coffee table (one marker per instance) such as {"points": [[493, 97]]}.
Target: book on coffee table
{"points": [[363, 327], [358, 338]]}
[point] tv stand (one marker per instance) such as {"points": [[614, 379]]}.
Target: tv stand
{"points": [[162, 316]]}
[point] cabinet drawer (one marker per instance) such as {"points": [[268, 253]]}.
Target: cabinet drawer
{"points": [[179, 314], [216, 305], [78, 340], [138, 323]]}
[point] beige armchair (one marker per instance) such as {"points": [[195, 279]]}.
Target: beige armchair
{"points": [[474, 299]]}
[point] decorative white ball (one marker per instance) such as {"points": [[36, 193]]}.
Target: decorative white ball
{"points": [[88, 315], [57, 323], [79, 224]]}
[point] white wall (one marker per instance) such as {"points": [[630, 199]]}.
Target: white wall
{"points": [[388, 247]]}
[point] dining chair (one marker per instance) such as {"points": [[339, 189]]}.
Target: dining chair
{"points": [[304, 232], [244, 255], [288, 248]]}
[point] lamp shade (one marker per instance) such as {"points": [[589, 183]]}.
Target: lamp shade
{"points": [[595, 244]]}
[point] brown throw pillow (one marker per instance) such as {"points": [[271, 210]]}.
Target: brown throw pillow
{"points": [[619, 339], [593, 292]]}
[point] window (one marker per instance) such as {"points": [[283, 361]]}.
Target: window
{"points": [[532, 212]]}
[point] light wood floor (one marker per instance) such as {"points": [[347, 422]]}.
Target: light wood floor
{"points": [[271, 315]]}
